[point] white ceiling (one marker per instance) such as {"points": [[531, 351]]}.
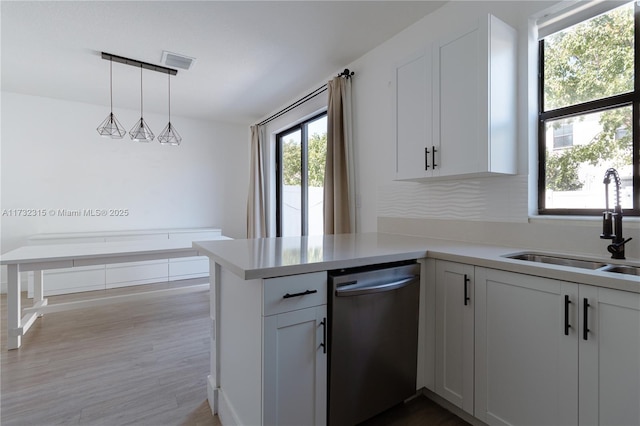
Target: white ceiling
{"points": [[251, 57]]}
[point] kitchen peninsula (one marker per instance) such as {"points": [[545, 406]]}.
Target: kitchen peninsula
{"points": [[268, 360]]}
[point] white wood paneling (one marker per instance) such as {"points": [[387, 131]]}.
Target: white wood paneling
{"points": [[62, 281], [123, 274], [188, 267]]}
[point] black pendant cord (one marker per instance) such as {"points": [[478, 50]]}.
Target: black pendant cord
{"points": [[141, 114], [346, 74], [111, 84], [169, 78]]}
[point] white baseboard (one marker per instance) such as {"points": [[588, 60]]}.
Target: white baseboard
{"points": [[450, 407], [212, 395], [226, 413]]}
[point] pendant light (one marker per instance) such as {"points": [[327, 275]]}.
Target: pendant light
{"points": [[111, 127], [169, 135], [140, 131]]}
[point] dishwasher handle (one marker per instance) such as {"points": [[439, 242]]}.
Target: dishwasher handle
{"points": [[354, 289]]}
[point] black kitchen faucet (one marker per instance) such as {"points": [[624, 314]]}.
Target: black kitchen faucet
{"points": [[612, 221]]}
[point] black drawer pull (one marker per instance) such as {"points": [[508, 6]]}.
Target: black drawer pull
{"points": [[304, 293], [433, 157], [426, 158], [466, 290], [323, 323], [585, 319], [567, 326]]}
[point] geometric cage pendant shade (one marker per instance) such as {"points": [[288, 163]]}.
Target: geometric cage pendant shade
{"points": [[140, 131], [169, 136], [111, 127]]}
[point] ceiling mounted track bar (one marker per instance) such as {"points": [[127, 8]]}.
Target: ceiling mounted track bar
{"points": [[138, 64]]}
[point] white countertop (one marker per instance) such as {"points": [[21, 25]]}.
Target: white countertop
{"points": [[273, 257]]}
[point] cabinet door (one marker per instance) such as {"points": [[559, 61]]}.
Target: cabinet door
{"points": [[295, 368], [609, 357], [413, 116], [454, 333], [526, 366], [459, 79], [474, 100]]}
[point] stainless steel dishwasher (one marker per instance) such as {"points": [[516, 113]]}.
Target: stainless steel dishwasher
{"points": [[373, 340]]}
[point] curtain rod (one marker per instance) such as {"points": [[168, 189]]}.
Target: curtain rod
{"points": [[346, 73]]}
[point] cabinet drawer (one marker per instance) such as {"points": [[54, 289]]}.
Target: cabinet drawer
{"points": [[284, 294]]}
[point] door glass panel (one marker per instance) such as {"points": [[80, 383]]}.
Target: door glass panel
{"points": [[292, 184], [317, 154]]}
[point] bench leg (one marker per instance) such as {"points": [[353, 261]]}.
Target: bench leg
{"points": [[38, 287], [14, 331]]}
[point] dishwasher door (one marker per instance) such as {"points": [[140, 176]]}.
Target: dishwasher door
{"points": [[373, 341]]}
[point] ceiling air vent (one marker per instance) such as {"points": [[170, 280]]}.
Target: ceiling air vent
{"points": [[176, 60]]}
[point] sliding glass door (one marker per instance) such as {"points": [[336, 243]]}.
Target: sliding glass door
{"points": [[301, 158]]}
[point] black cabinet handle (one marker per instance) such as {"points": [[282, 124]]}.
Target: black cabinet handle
{"points": [[324, 335], [585, 319], [567, 326], [426, 158], [466, 290], [433, 157], [304, 293]]}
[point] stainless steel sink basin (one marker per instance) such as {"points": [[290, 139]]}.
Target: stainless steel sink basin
{"points": [[575, 263], [556, 260], [622, 269]]}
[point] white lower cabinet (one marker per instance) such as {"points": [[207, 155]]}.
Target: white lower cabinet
{"points": [[268, 349], [526, 368], [609, 369], [550, 352], [295, 367], [454, 333]]}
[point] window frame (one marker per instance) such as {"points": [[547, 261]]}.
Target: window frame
{"points": [[304, 164], [626, 99]]}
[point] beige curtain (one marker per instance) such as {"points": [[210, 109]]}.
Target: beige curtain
{"points": [[339, 178], [256, 203]]}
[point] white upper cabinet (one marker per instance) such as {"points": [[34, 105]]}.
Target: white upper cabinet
{"points": [[462, 121], [413, 116], [474, 101]]}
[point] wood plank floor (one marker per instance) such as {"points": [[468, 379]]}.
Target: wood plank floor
{"points": [[129, 364]]}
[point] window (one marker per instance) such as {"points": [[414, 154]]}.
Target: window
{"points": [[301, 157], [589, 109], [563, 135]]}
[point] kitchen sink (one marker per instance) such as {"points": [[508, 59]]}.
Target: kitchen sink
{"points": [[622, 269], [556, 260], [576, 263]]}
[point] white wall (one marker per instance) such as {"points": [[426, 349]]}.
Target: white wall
{"points": [[494, 210], [53, 158]]}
